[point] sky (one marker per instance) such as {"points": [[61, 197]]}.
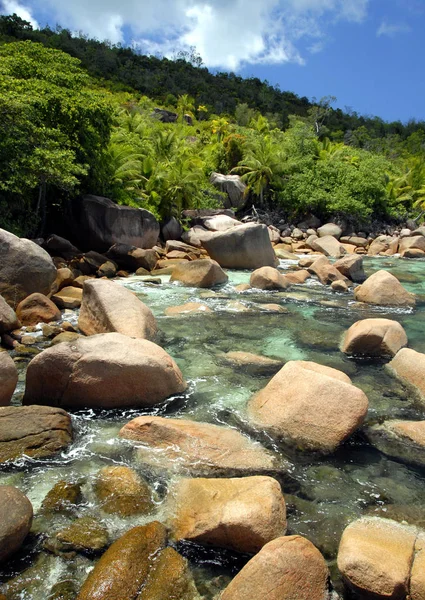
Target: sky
{"points": [[369, 54]]}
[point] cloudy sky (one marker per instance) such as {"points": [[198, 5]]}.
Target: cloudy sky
{"points": [[368, 53]]}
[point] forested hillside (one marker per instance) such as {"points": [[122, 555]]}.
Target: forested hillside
{"points": [[83, 121]]}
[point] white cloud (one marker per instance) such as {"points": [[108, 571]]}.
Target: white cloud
{"points": [[9, 7], [226, 33], [392, 29]]}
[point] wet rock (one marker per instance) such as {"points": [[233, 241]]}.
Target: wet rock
{"points": [[86, 535], [268, 278], [400, 439], [271, 307], [169, 579], [188, 308], [68, 297], [15, 520], [339, 286], [63, 590], [108, 370], [25, 268], [202, 273], [384, 289], [242, 287], [233, 186], [374, 337], [121, 491], [63, 496], [329, 246], [37, 308], [109, 307], [309, 406], [244, 247], [409, 366], [200, 449], [8, 319], [253, 363], [51, 331], [241, 514], [288, 567], [325, 272], [351, 267], [8, 378], [36, 431], [122, 570], [375, 557], [329, 229]]}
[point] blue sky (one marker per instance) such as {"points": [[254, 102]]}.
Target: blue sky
{"points": [[370, 54]]}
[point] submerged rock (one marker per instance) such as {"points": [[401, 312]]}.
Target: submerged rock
{"points": [[287, 568], [62, 497], [121, 491], [375, 558], [122, 570], [268, 278], [108, 370], [25, 268], [200, 449], [309, 406], [253, 363], [240, 514], [409, 366], [35, 431], [188, 308], [400, 439], [374, 337], [384, 289], [15, 520], [109, 307], [202, 273], [243, 247], [86, 535], [8, 378]]}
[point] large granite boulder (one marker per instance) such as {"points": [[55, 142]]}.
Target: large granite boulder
{"points": [[268, 278], [108, 370], [409, 366], [59, 246], [171, 229], [374, 337], [109, 307], [243, 247], [122, 570], [100, 223], [329, 246], [351, 267], [34, 431], [309, 406], [241, 514], [24, 268], [384, 289], [233, 186], [198, 449], [400, 439], [15, 520], [289, 568], [416, 242], [375, 558], [202, 273], [8, 319], [8, 378], [220, 223], [37, 308], [325, 272]]}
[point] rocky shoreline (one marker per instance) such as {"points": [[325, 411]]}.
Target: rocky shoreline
{"points": [[229, 491]]}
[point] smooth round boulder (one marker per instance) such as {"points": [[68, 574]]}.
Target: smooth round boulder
{"points": [[8, 378], [288, 568], [384, 289], [198, 449], [409, 366], [374, 337], [37, 308], [108, 370], [15, 520], [109, 307], [375, 557], [200, 273], [241, 514], [329, 229], [309, 406], [123, 569], [268, 278], [25, 268], [121, 491]]}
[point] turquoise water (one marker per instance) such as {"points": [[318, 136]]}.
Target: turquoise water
{"points": [[323, 494]]}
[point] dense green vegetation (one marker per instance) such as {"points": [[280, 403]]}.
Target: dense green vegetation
{"points": [[67, 130]]}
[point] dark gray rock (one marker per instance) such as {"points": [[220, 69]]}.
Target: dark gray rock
{"points": [[171, 229], [233, 186], [165, 116], [59, 246]]}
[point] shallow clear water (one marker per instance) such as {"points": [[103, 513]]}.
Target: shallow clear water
{"points": [[323, 495]]}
